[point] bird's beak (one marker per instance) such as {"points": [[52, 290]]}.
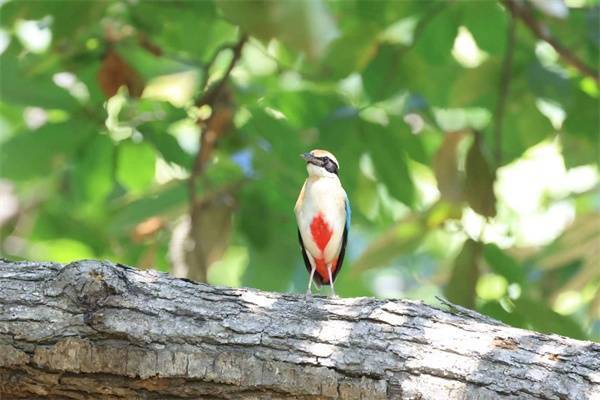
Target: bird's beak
{"points": [[308, 157]]}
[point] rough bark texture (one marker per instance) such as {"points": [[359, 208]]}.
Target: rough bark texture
{"points": [[95, 330]]}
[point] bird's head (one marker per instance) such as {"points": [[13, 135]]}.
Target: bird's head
{"points": [[321, 163]]}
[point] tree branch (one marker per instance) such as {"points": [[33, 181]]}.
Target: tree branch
{"points": [[543, 33], [211, 94], [95, 330], [212, 129], [209, 97]]}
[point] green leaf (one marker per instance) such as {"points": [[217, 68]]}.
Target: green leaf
{"points": [[382, 76], [366, 15], [277, 147], [170, 26], [549, 83], [148, 65], [157, 117], [416, 146], [57, 219], [36, 154], [503, 264], [23, 83], [274, 247], [390, 161], [304, 25], [349, 53], [582, 117], [150, 111], [169, 199], [479, 182], [230, 269], [495, 310], [135, 165], [457, 119], [167, 146], [277, 131], [86, 70], [488, 22], [62, 251], [266, 270], [396, 68], [543, 319], [436, 40], [306, 108], [580, 129], [491, 287], [340, 133], [476, 86], [276, 162], [524, 126], [365, 197], [403, 237], [577, 151], [347, 285], [255, 225], [465, 272], [67, 23], [94, 174], [570, 262]]}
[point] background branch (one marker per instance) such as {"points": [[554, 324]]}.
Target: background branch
{"points": [[215, 214], [543, 33], [212, 93]]}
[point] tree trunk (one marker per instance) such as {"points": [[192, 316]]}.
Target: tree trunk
{"points": [[95, 330]]}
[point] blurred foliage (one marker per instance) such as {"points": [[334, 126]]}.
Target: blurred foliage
{"points": [[468, 147]]}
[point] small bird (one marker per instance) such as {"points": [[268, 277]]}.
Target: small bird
{"points": [[323, 216]]}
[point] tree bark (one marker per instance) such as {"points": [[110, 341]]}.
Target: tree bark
{"points": [[95, 330]]}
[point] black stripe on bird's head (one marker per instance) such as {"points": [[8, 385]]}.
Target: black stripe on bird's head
{"points": [[323, 159]]}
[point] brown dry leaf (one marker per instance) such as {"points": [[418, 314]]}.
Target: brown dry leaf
{"points": [[147, 228], [479, 183], [465, 273], [450, 180], [115, 72]]}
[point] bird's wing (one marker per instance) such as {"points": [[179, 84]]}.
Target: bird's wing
{"points": [[316, 278], [340, 259]]}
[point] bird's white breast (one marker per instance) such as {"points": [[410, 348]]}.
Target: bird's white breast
{"points": [[323, 196]]}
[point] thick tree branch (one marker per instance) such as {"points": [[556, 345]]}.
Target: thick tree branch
{"points": [[543, 33], [95, 330]]}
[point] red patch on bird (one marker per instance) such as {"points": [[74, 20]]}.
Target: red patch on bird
{"points": [[321, 232]]}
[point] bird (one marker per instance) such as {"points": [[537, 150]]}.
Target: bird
{"points": [[323, 216]]}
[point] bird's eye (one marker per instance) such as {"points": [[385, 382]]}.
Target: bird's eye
{"points": [[330, 165]]}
